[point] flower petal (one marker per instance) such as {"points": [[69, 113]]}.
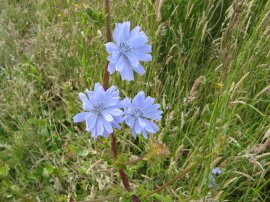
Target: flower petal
{"points": [[144, 134], [127, 72], [91, 121], [151, 127], [137, 127], [125, 30], [121, 32], [134, 33], [111, 47], [114, 57], [120, 64], [99, 89], [86, 104], [138, 99], [99, 126], [134, 62], [107, 126], [94, 133], [140, 40], [130, 121], [114, 111], [142, 123], [143, 49], [134, 134], [107, 116], [80, 117], [143, 57], [111, 68], [139, 69]]}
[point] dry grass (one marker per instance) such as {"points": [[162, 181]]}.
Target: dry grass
{"points": [[210, 72]]}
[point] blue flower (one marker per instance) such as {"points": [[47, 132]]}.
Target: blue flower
{"points": [[101, 111], [217, 171], [213, 175], [139, 114], [128, 50]]}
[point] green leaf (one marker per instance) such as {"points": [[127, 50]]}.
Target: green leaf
{"points": [[4, 171], [48, 169]]}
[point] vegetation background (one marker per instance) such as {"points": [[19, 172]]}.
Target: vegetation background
{"points": [[210, 71]]}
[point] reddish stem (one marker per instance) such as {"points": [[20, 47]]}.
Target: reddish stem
{"points": [[106, 76], [123, 176], [121, 171], [113, 146]]}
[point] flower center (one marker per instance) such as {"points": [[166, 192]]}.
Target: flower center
{"points": [[125, 47], [99, 107], [138, 112]]}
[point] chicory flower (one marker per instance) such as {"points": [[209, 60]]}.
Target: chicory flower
{"points": [[128, 50], [140, 112], [101, 111]]}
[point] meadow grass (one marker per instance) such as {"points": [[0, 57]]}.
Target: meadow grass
{"points": [[210, 72]]}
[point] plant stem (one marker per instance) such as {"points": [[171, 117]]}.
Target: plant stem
{"points": [[123, 176], [108, 39], [106, 77], [191, 166]]}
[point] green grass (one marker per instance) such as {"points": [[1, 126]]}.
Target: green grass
{"points": [[52, 50]]}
